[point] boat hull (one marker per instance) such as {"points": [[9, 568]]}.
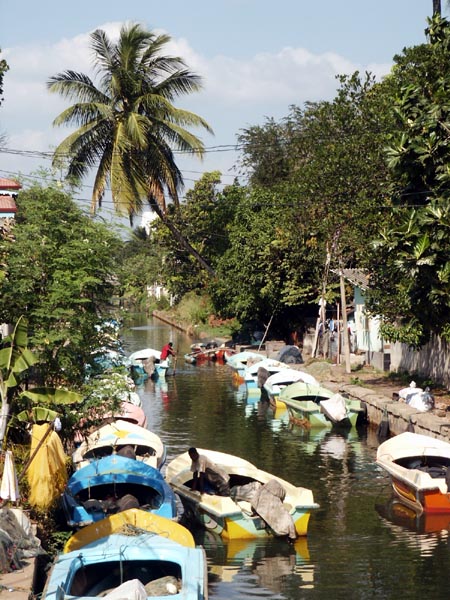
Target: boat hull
{"points": [[162, 567], [229, 518], [419, 468], [238, 526], [308, 414], [302, 401], [112, 484], [130, 521]]}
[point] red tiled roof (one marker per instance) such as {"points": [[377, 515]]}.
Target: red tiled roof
{"points": [[7, 204], [9, 184]]}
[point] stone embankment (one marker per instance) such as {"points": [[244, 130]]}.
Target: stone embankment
{"points": [[400, 416]]}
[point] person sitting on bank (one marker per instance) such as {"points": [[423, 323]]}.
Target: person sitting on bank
{"points": [[167, 351], [208, 477]]}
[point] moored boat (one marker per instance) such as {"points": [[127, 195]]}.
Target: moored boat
{"points": [[203, 352], [312, 405], [113, 484], [419, 468], [278, 381], [236, 516], [126, 411], [254, 378], [121, 436], [147, 363], [241, 360], [132, 520], [140, 566]]}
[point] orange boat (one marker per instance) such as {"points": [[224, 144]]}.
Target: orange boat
{"points": [[419, 467]]}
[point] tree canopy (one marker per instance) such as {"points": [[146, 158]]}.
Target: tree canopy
{"points": [[128, 124], [411, 280], [60, 275]]}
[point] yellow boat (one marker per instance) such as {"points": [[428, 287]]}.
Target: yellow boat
{"points": [[132, 522]]}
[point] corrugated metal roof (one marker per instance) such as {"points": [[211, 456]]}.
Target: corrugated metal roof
{"points": [[9, 184], [358, 277], [7, 204]]}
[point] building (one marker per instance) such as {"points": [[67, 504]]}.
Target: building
{"points": [[8, 193]]}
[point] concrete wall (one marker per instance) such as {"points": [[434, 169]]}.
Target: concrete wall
{"points": [[433, 360], [401, 416]]}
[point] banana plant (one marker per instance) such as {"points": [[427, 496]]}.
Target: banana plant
{"points": [[15, 359]]}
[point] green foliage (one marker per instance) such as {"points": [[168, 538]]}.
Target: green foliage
{"points": [[128, 126], [15, 360], [411, 281], [204, 219], [324, 195], [195, 309], [60, 274], [140, 266], [3, 68]]}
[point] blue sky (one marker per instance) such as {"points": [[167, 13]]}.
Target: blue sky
{"points": [[256, 58]]}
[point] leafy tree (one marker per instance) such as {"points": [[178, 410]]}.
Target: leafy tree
{"points": [[3, 68], [265, 152], [60, 274], [140, 266], [15, 359], [324, 201], [128, 126], [204, 218], [411, 284]]}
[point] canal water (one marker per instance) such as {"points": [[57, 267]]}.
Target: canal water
{"points": [[360, 544]]}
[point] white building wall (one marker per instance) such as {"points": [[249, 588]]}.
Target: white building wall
{"points": [[431, 361]]}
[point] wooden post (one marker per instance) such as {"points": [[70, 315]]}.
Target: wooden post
{"points": [[346, 345], [338, 331]]}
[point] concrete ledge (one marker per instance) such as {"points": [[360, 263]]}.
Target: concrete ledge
{"points": [[400, 415]]}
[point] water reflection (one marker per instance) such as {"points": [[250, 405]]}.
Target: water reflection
{"points": [[421, 532], [264, 563]]}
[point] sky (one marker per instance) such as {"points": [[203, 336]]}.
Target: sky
{"points": [[256, 58]]}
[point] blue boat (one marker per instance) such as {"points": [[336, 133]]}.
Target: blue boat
{"points": [[113, 484], [143, 565]]}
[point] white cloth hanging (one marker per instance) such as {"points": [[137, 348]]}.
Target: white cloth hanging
{"points": [[9, 489]]}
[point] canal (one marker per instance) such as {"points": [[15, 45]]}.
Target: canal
{"points": [[360, 544]]}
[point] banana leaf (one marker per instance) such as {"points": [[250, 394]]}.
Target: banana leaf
{"points": [[51, 395]]}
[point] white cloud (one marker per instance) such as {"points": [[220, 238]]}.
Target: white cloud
{"points": [[237, 92]]}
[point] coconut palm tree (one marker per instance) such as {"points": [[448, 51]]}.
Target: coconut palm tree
{"points": [[128, 126]]}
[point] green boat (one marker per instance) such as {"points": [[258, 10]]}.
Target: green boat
{"points": [[312, 405]]}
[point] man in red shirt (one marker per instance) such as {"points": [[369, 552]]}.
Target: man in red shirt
{"points": [[167, 351]]}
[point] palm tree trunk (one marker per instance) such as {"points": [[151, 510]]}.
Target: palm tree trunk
{"points": [[436, 7], [180, 238]]}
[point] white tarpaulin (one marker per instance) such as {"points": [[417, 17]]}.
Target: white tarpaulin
{"points": [[10, 486]]}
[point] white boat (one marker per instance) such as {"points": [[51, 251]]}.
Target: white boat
{"points": [[419, 467], [236, 518], [253, 380], [241, 360], [147, 363], [278, 381], [118, 437]]}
